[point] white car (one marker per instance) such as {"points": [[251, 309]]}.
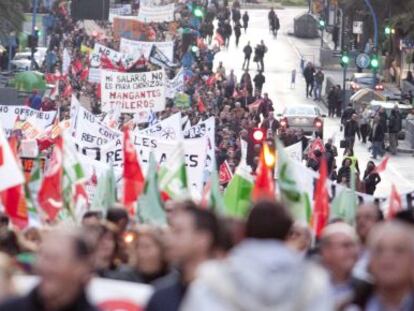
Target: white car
{"points": [[22, 60]]}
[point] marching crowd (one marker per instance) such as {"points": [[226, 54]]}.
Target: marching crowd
{"points": [[203, 261]]}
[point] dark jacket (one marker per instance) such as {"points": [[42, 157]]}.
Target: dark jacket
{"points": [[344, 171], [168, 294], [351, 128], [377, 133], [347, 114], [266, 125], [247, 50], [395, 122], [259, 80], [371, 180], [32, 302], [308, 74]]}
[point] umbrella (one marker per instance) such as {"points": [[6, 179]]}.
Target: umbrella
{"points": [[28, 81], [366, 95]]}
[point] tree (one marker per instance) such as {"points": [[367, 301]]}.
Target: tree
{"points": [[11, 16]]}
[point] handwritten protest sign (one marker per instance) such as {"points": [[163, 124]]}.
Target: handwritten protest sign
{"points": [[136, 49], [156, 14]]}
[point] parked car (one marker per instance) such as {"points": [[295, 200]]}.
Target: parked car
{"points": [[305, 117], [365, 80], [22, 60]]}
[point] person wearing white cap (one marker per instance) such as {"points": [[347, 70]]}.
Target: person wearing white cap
{"points": [[339, 253]]}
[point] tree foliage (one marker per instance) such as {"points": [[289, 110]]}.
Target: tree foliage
{"points": [[11, 15]]}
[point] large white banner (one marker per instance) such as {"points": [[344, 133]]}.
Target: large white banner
{"points": [[133, 92], [156, 14], [195, 155], [205, 129], [9, 115], [88, 130], [168, 129], [100, 50], [107, 295], [175, 85], [136, 49]]}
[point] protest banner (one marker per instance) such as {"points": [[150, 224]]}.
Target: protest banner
{"points": [[106, 294], [175, 85], [136, 49], [195, 155], [9, 115], [156, 14], [115, 57], [88, 130], [205, 129], [133, 92], [130, 28], [124, 9], [168, 129], [295, 151]]}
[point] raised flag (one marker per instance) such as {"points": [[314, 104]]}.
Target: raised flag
{"points": [[173, 176], [264, 186], [320, 214], [225, 174], [395, 203], [382, 166], [212, 197], [132, 174], [200, 105], [150, 208], [219, 39], [237, 196], [295, 197], [50, 195], [105, 193]]}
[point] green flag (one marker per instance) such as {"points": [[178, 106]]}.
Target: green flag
{"points": [[173, 175], [31, 189], [212, 196], [345, 203], [105, 192], [150, 208], [237, 196], [295, 198]]}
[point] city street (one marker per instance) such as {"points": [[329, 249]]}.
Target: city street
{"points": [[283, 56]]}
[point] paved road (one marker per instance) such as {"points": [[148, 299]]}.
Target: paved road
{"points": [[284, 56]]}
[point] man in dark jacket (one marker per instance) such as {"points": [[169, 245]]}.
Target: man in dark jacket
{"points": [[332, 101], [308, 74], [64, 267], [193, 237], [347, 114], [377, 137], [394, 127], [237, 32], [259, 80], [247, 50], [245, 21], [351, 129]]}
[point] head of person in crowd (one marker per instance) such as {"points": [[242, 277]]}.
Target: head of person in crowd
{"points": [[268, 220], [300, 237], [64, 266], [367, 216], [118, 216], [33, 235], [9, 243], [92, 218], [391, 245], [6, 273], [105, 240], [4, 222], [147, 253], [370, 167], [193, 237], [339, 251]]}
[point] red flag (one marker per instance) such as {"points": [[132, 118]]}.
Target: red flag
{"points": [[106, 63], [84, 74], [200, 105], [264, 186], [67, 92], [50, 193], [225, 174], [382, 166], [219, 39], [211, 80], [395, 202], [1, 156], [320, 214], [13, 199], [76, 67], [133, 177], [316, 144]]}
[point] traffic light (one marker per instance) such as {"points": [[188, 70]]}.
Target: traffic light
{"points": [[344, 59], [387, 30], [322, 24], [374, 62], [198, 12], [258, 136]]}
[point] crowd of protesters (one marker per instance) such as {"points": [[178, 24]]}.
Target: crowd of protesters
{"points": [[202, 261]]}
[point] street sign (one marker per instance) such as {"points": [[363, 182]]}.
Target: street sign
{"points": [[363, 60], [358, 28]]}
